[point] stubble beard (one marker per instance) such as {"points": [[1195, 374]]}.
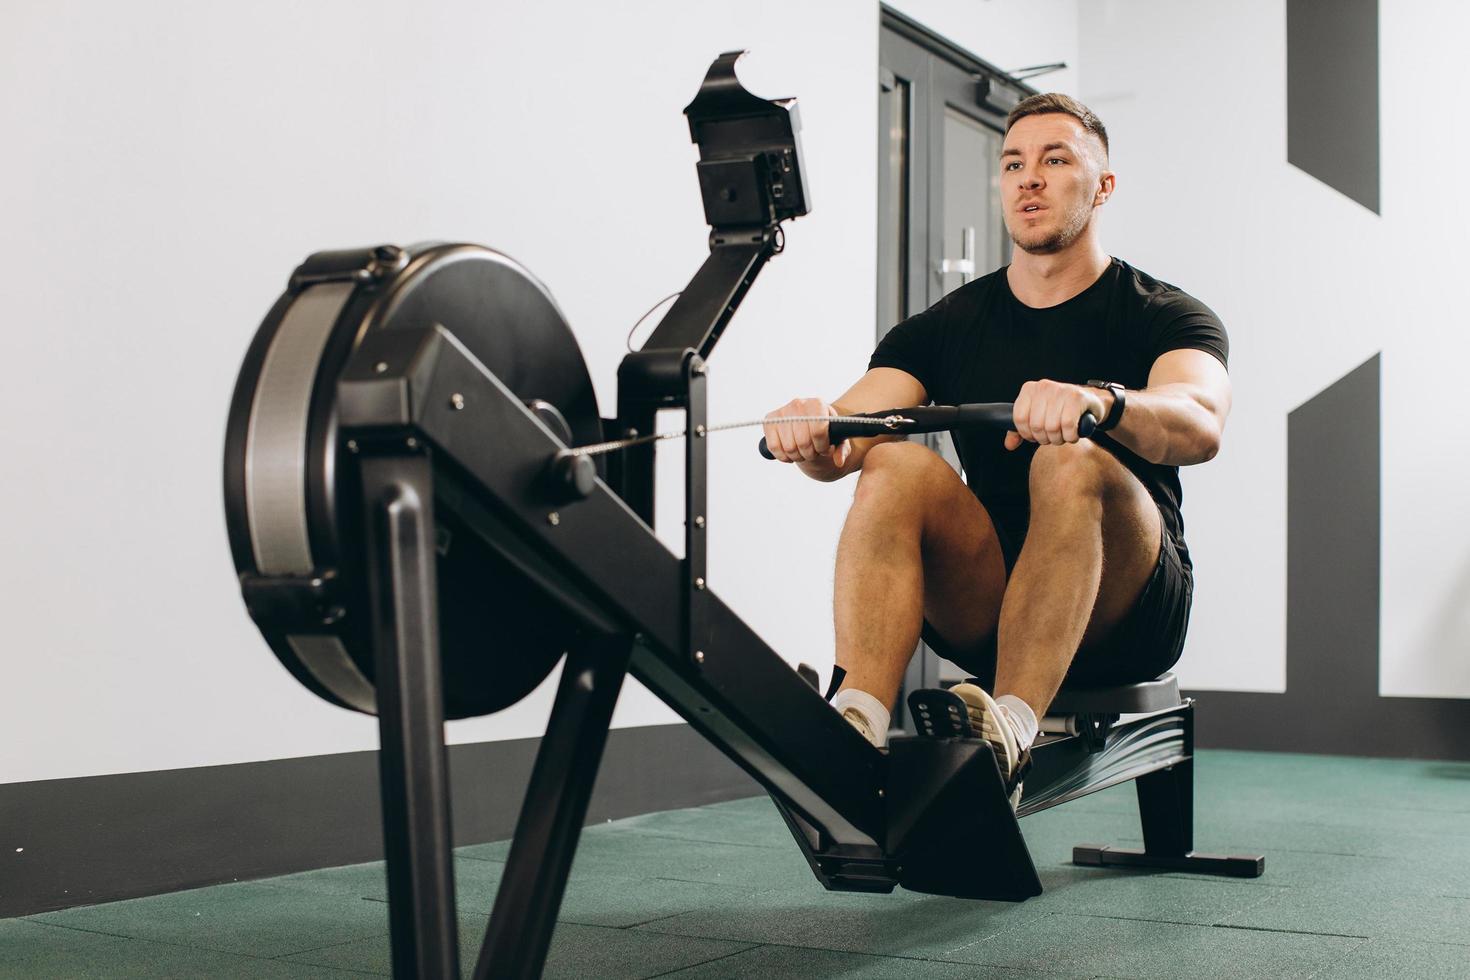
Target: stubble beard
{"points": [[1062, 238]]}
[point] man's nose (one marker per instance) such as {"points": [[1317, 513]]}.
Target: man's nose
{"points": [[1031, 181]]}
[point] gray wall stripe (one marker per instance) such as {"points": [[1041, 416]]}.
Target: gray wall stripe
{"points": [[104, 838], [1332, 94], [1331, 705]]}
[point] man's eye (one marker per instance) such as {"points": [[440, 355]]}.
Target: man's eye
{"points": [[1056, 160], [1012, 165]]}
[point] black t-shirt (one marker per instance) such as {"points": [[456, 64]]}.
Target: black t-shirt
{"points": [[981, 344]]}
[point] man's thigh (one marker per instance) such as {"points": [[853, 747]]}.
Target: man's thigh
{"points": [[1132, 527], [964, 566]]}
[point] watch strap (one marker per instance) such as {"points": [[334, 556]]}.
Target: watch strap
{"points": [[1115, 414]]}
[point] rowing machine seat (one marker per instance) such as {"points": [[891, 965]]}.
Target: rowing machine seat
{"points": [[1120, 699]]}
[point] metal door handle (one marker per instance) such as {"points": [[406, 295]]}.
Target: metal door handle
{"points": [[965, 264]]}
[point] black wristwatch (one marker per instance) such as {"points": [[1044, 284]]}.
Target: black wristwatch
{"points": [[1115, 415]]}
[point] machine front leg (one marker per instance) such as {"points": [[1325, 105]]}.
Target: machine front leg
{"points": [[555, 807], [414, 778]]}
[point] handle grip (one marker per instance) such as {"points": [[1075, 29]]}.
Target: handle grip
{"points": [[837, 433], [933, 418]]}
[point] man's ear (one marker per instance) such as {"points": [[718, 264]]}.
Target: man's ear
{"points": [[1106, 183]]}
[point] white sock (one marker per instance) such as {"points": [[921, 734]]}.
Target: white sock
{"points": [[869, 707], [1021, 717]]}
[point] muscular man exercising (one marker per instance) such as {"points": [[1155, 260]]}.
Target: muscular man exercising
{"points": [[1064, 558]]}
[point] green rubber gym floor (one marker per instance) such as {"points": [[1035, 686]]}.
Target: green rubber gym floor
{"points": [[1367, 875]]}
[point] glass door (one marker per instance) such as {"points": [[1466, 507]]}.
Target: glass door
{"points": [[970, 216]]}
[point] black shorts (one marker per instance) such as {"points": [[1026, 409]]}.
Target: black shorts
{"points": [[1144, 645]]}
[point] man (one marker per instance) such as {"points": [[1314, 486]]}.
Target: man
{"points": [[1065, 557]]}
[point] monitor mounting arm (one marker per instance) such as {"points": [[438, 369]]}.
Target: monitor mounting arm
{"points": [[751, 179]]}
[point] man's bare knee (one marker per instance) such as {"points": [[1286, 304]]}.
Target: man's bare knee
{"points": [[901, 456], [909, 463], [1074, 469], [902, 470]]}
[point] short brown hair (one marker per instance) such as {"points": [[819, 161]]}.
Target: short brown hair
{"points": [[1049, 102]]}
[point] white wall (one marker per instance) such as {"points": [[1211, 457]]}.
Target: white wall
{"points": [[1010, 34], [166, 165], [1310, 285]]}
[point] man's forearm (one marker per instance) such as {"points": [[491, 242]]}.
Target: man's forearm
{"points": [[1172, 425], [821, 469]]}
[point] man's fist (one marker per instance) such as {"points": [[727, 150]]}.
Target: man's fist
{"points": [[1047, 412], [797, 442]]}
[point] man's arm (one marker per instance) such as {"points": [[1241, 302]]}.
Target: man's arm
{"points": [[1179, 418]]}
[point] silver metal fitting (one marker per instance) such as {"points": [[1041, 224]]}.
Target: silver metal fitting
{"points": [[387, 259]]}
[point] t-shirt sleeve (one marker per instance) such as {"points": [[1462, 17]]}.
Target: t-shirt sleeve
{"points": [[913, 346], [1182, 322]]}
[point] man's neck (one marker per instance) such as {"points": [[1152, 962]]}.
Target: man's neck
{"points": [[1046, 280]]}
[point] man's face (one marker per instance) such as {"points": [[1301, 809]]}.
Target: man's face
{"points": [[1052, 176]]}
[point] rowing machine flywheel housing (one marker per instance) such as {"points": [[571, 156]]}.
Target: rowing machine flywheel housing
{"points": [[292, 503]]}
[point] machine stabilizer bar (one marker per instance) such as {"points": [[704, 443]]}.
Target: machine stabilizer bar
{"points": [[1230, 866]]}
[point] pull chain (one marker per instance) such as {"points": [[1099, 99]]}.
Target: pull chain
{"points": [[596, 449]]}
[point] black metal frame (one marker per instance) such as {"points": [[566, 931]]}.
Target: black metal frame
{"points": [[554, 809]]}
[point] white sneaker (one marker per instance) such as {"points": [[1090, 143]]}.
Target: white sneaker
{"points": [[987, 722], [858, 720]]}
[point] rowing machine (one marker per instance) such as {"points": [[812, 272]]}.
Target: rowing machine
{"points": [[421, 534]]}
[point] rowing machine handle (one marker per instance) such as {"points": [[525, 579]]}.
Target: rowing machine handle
{"points": [[992, 415], [838, 432]]}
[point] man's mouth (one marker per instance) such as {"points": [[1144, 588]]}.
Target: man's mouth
{"points": [[1030, 208]]}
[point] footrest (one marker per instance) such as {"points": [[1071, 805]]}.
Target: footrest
{"points": [[950, 826], [939, 714], [1233, 866]]}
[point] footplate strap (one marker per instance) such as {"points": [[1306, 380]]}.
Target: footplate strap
{"points": [[938, 713]]}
